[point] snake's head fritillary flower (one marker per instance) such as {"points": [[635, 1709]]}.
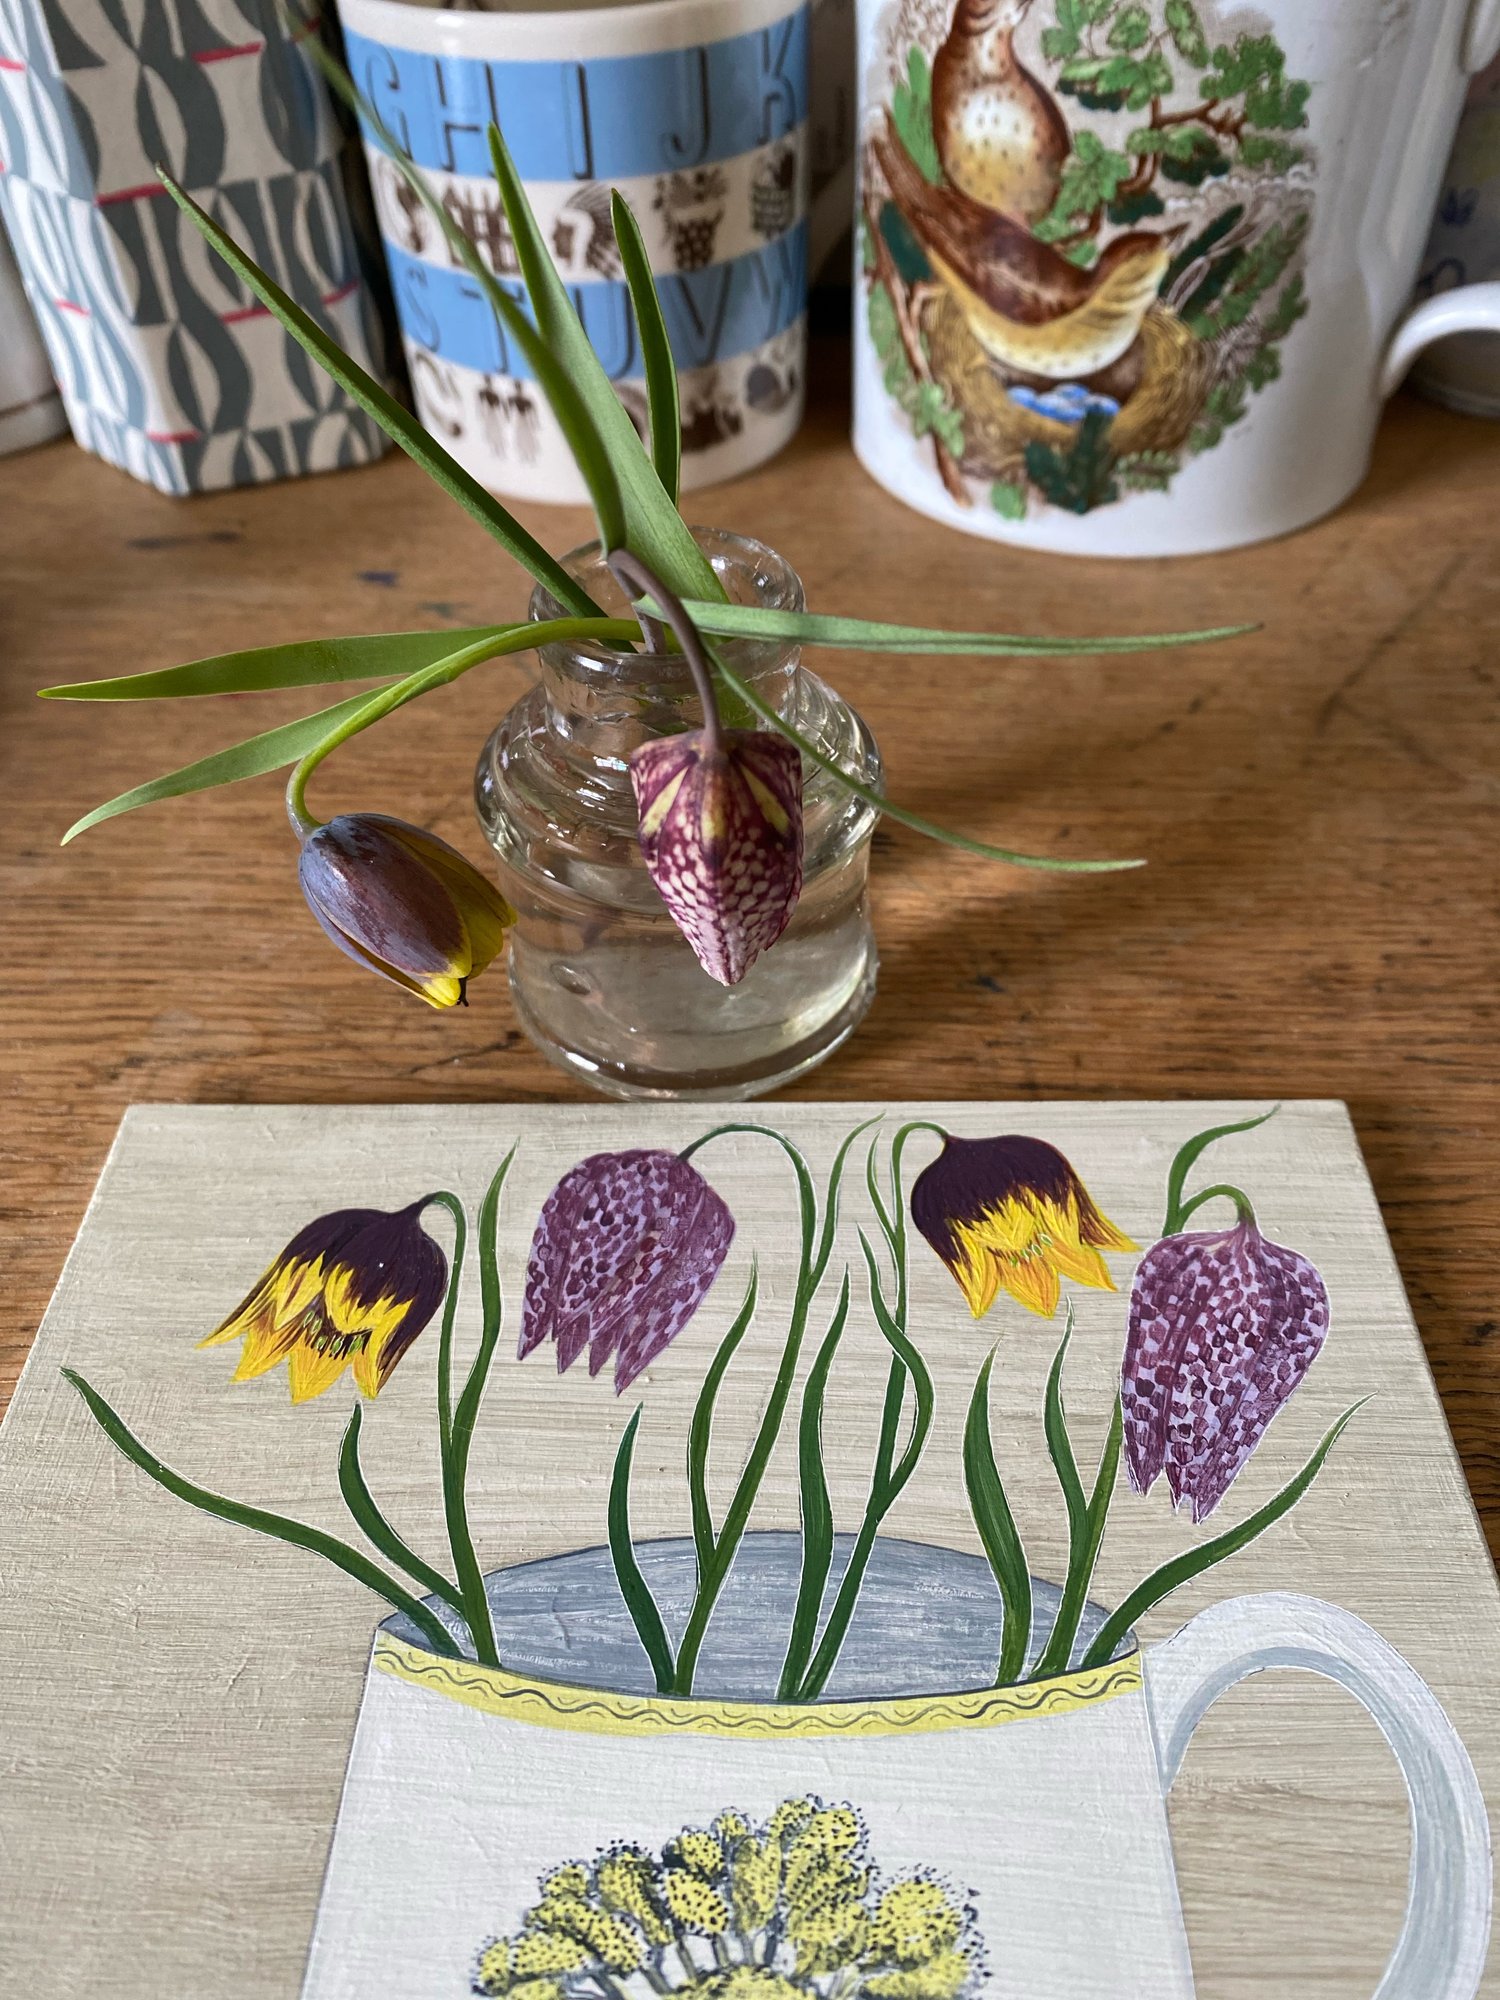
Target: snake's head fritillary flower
{"points": [[404, 903], [1223, 1326], [1010, 1214], [626, 1247], [353, 1289], [721, 835]]}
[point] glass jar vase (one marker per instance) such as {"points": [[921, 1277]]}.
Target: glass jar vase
{"points": [[604, 982]]}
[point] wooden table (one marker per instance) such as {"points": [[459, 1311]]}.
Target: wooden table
{"points": [[1317, 802]]}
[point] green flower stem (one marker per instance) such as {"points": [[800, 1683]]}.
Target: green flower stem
{"points": [[816, 1248], [889, 1477], [1188, 1156], [367, 1514], [505, 640], [453, 1462], [1221, 1190], [1193, 1562], [277, 1526], [881, 804]]}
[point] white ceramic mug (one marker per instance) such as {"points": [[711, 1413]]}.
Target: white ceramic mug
{"points": [[697, 111], [1040, 1808], [1134, 271]]}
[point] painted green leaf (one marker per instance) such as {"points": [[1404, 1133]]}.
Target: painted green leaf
{"points": [[1080, 477], [997, 1531], [662, 400], [642, 1606], [1186, 30], [303, 663], [653, 528], [1008, 498], [1130, 29], [399, 425], [911, 113], [271, 751]]}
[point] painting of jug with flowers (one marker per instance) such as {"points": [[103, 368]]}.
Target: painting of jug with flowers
{"points": [[757, 1763]]}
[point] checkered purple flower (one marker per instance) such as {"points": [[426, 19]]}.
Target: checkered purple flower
{"points": [[721, 834], [1223, 1326], [626, 1248]]}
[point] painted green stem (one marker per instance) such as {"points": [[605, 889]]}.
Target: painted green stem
{"points": [[700, 1432], [278, 1526], [815, 1249], [369, 1517], [890, 1475], [1188, 1156], [1086, 1515]]}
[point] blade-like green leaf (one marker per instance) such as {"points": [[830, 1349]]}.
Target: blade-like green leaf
{"points": [[816, 1507], [398, 424], [278, 1526], [662, 399], [303, 663], [998, 1531], [363, 1505], [700, 1433], [654, 530], [634, 1588], [551, 368], [862, 635], [271, 751], [878, 800], [1193, 1562], [1187, 1157]]}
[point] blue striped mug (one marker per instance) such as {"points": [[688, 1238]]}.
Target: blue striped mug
{"points": [[697, 111]]}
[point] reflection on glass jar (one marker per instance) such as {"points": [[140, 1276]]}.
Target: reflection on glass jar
{"points": [[604, 982]]}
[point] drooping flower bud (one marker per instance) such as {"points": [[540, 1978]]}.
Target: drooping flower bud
{"points": [[1224, 1325], [397, 899], [352, 1289], [721, 834], [626, 1248]]}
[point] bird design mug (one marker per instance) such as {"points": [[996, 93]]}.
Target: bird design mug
{"points": [[1131, 273]]}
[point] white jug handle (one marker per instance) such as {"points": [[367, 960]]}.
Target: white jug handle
{"points": [[1466, 309], [1441, 1950]]}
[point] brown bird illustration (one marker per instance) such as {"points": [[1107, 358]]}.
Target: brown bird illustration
{"points": [[1000, 135], [1029, 308]]}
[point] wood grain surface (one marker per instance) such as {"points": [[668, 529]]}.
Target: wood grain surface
{"points": [[1317, 803]]}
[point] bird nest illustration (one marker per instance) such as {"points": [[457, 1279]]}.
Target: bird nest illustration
{"points": [[741, 1910], [1068, 304]]}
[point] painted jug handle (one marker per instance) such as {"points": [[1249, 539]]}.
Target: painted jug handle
{"points": [[1441, 1950]]}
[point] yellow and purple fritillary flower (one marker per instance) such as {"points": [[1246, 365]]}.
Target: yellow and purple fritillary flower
{"points": [[625, 1250], [405, 904], [351, 1290], [1224, 1324], [1011, 1215]]}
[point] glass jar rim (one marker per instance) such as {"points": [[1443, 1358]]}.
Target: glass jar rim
{"points": [[746, 656]]}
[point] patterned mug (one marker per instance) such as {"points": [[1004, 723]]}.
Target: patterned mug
{"points": [[1134, 270], [697, 111]]}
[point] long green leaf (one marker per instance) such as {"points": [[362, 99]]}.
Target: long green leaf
{"points": [[303, 663], [286, 744], [367, 1514], [816, 1507], [998, 1531], [1193, 1562], [882, 804], [1085, 1534], [1059, 1444], [399, 425], [654, 529], [700, 1432], [863, 635], [909, 1355], [551, 369], [633, 1586], [663, 402], [277, 1526]]}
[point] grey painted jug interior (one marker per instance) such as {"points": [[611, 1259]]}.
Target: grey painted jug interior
{"points": [[928, 1620]]}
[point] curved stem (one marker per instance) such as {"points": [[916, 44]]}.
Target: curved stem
{"points": [[638, 581], [368, 1515], [1187, 1157], [515, 639], [1220, 1191]]}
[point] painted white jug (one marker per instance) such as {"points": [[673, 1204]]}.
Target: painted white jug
{"points": [[1192, 353], [1042, 1805]]}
